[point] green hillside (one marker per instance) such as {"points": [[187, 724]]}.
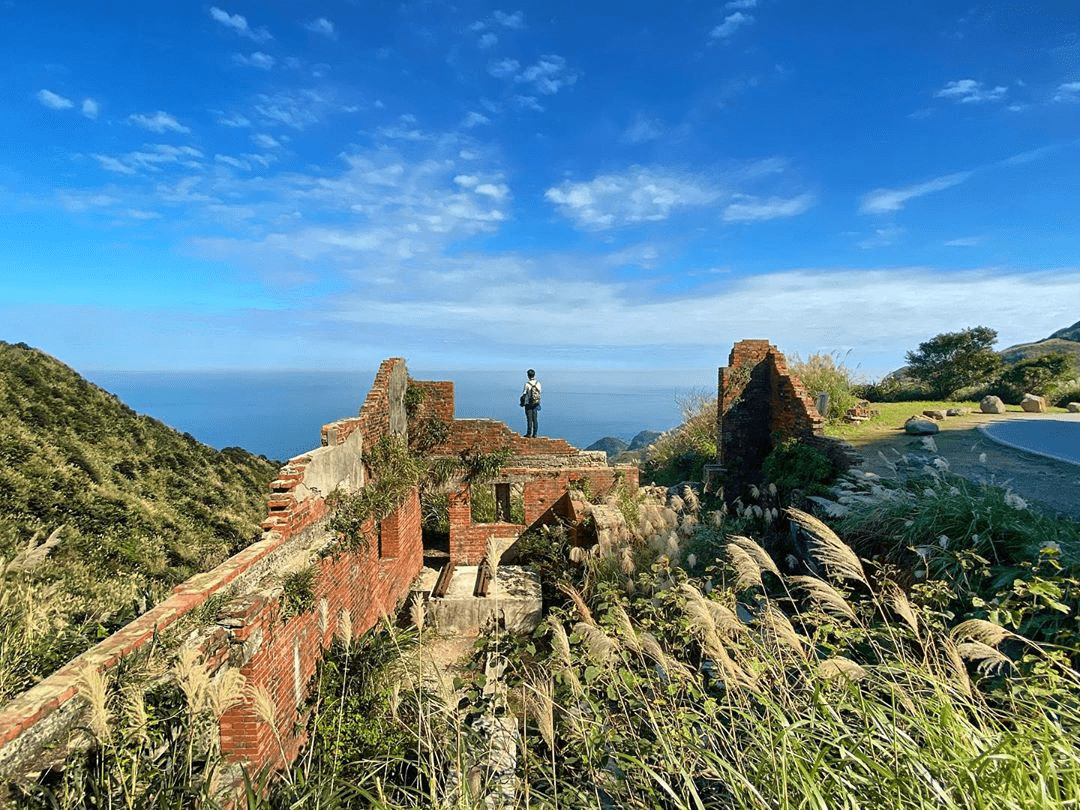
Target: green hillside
{"points": [[142, 506], [1068, 333]]}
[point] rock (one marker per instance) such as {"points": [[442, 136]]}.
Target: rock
{"points": [[920, 426], [958, 411], [1074, 407], [1032, 403], [991, 404], [934, 414]]}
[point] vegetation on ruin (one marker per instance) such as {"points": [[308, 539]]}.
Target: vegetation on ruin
{"points": [[116, 492], [916, 646], [682, 453], [827, 373]]}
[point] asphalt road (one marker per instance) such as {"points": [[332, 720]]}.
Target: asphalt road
{"points": [[1054, 435]]}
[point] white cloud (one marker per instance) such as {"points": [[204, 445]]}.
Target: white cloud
{"points": [[548, 75], [504, 68], [264, 141], [1067, 91], [752, 209], [887, 200], [159, 121], [497, 191], [151, 157], [488, 40], [235, 120], [90, 108], [53, 101], [516, 20], [258, 59], [239, 24], [475, 119], [969, 91], [298, 109], [741, 4], [322, 26], [641, 130], [882, 237], [965, 241], [640, 195], [732, 23]]}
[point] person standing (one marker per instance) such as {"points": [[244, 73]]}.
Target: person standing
{"points": [[530, 401]]}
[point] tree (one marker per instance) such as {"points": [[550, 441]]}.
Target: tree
{"points": [[953, 360]]}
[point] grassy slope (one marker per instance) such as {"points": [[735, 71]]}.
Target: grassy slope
{"points": [[143, 507]]}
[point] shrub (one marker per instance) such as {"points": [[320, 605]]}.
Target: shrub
{"points": [[953, 360], [796, 465], [826, 373], [1045, 376], [682, 453]]}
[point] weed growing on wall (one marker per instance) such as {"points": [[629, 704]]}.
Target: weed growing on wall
{"points": [[827, 373], [681, 453]]}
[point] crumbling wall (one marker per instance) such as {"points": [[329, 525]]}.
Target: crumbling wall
{"points": [[251, 634], [759, 403]]}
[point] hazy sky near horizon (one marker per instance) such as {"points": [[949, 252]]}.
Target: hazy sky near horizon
{"points": [[577, 185]]}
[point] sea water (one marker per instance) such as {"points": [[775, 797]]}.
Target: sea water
{"points": [[279, 414]]}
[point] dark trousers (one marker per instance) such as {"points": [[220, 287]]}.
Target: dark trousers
{"points": [[530, 421]]}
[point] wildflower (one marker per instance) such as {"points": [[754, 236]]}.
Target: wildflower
{"points": [[1050, 547], [943, 541], [975, 538], [691, 560], [982, 458], [920, 575]]}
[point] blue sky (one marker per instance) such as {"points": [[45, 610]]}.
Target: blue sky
{"points": [[573, 185]]}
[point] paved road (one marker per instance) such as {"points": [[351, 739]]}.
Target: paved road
{"points": [[1053, 435]]}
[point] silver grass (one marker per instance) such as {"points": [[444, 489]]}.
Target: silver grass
{"points": [[774, 619], [825, 596], [837, 558], [560, 644], [417, 611], [135, 715], [226, 691], [898, 602], [955, 665], [625, 628], [671, 666], [344, 629], [761, 556], [747, 573], [599, 646], [93, 685], [33, 555], [626, 561], [982, 631], [192, 679], [987, 659], [840, 667], [579, 602], [541, 704], [264, 706]]}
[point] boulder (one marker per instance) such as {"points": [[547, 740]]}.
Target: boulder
{"points": [[920, 426], [1032, 403], [934, 414], [958, 411], [1074, 407], [991, 404]]}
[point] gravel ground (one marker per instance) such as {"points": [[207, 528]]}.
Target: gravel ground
{"points": [[1053, 484]]}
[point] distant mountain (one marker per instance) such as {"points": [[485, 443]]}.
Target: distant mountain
{"points": [[142, 506], [644, 439], [1064, 341], [1068, 333], [610, 445]]}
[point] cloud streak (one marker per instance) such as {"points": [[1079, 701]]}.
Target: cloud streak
{"points": [[53, 100], [239, 24], [888, 200]]}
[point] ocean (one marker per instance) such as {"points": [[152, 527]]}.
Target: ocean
{"points": [[279, 414]]}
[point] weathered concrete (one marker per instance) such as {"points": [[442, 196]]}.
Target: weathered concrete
{"points": [[514, 599]]}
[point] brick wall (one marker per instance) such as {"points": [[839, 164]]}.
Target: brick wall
{"points": [[250, 634], [758, 402]]}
